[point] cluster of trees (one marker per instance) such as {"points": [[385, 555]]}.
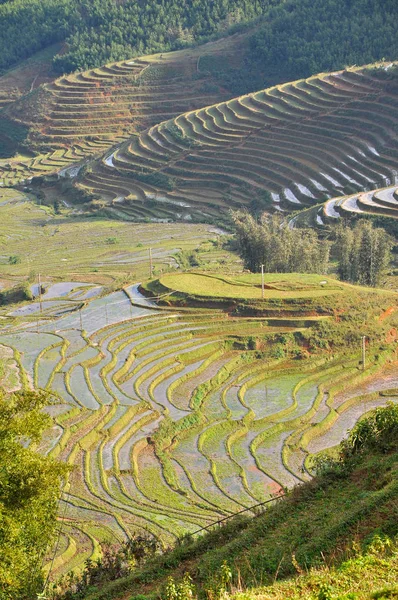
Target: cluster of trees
{"points": [[29, 493], [363, 253], [270, 241], [99, 31], [27, 26]]}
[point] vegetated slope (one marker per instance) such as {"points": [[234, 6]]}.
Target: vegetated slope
{"points": [[98, 32], [302, 38], [282, 148], [321, 525], [295, 39], [85, 113], [174, 418], [27, 75]]}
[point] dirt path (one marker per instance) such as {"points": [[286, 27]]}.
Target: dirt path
{"points": [[387, 313]]}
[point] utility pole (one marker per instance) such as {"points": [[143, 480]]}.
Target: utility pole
{"points": [[150, 263], [363, 352], [81, 319], [262, 282], [39, 283]]}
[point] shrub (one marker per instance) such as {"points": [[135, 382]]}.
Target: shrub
{"points": [[18, 293], [111, 241], [14, 260], [377, 432], [180, 591]]}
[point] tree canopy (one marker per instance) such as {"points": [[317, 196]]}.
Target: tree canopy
{"points": [[272, 243], [100, 31], [296, 38], [29, 492], [363, 253], [304, 37]]}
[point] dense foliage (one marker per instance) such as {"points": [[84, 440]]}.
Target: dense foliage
{"points": [[376, 433], [99, 31], [270, 242], [29, 492], [363, 253], [297, 38], [304, 37]]}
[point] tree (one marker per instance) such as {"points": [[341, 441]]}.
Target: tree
{"points": [[363, 253], [344, 250], [30, 487]]}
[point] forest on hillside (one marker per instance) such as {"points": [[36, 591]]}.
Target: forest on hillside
{"points": [[305, 37], [100, 31], [295, 38], [300, 38]]}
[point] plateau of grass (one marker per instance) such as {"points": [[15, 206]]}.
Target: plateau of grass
{"points": [[248, 286]]}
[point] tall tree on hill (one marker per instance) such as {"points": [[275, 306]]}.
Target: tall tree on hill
{"points": [[363, 253]]}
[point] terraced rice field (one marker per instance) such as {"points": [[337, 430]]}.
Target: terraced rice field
{"points": [[380, 202], [102, 250], [83, 114], [300, 143], [169, 423]]}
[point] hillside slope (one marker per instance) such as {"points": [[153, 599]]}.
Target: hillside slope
{"points": [[282, 148], [85, 113], [319, 525]]}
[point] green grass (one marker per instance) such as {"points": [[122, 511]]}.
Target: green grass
{"points": [[364, 576], [67, 245], [284, 286]]}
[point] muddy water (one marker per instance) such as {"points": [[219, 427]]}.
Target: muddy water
{"points": [[385, 380]]}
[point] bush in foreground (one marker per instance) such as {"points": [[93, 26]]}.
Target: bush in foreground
{"points": [[29, 494]]}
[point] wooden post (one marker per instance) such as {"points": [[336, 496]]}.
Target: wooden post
{"points": [[150, 263], [363, 352], [81, 319], [106, 314], [39, 283], [262, 282]]}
